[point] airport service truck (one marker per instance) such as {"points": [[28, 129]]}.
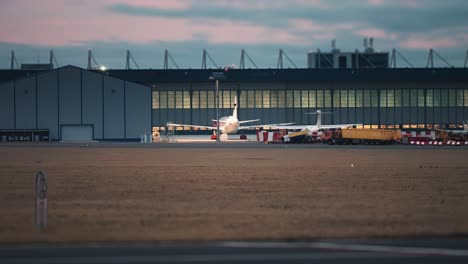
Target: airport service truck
{"points": [[361, 136]]}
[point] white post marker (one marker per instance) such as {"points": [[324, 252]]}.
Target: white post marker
{"points": [[41, 201]]}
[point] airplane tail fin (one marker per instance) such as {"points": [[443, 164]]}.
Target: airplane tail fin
{"points": [[319, 117], [234, 112]]}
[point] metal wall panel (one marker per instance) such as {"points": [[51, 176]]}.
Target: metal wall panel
{"points": [[47, 103], [25, 103], [113, 108], [7, 106], [70, 95], [352, 116], [137, 110], [77, 132], [92, 110]]}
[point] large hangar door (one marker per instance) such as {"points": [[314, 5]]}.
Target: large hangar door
{"points": [[77, 132]]}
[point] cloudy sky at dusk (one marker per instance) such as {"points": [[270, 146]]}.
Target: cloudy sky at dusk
{"points": [[185, 27]]}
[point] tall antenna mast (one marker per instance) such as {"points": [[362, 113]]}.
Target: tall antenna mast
{"points": [[206, 54], [53, 60], [13, 61], [168, 56], [127, 61], [242, 60], [91, 60], [280, 59]]}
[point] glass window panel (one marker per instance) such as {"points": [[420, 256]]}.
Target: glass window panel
{"points": [[281, 98], [305, 98], [421, 98], [437, 97], [452, 97], [266, 98], [336, 98], [459, 97], [171, 99], [211, 99], [383, 98], [203, 99], [289, 98], [227, 99], [186, 100], [251, 99], [444, 95], [297, 99], [327, 98], [398, 100], [413, 98], [344, 98], [405, 98], [274, 99], [155, 99], [375, 98], [390, 98], [359, 102], [243, 99], [179, 99], [312, 98], [367, 98], [196, 99], [258, 99], [430, 98], [163, 99], [319, 98], [351, 98]]}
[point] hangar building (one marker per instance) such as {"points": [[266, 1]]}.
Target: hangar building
{"points": [[70, 103]]}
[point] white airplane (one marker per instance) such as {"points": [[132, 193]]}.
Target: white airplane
{"points": [[228, 124], [314, 128]]}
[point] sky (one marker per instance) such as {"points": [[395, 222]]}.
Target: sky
{"points": [[224, 27]]}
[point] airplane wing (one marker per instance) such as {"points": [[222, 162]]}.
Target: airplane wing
{"points": [[339, 126], [287, 126], [248, 121], [264, 125], [194, 126]]}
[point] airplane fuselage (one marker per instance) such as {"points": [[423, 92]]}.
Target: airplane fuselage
{"points": [[228, 125]]}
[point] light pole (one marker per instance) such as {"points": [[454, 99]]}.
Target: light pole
{"points": [[217, 76], [217, 111]]}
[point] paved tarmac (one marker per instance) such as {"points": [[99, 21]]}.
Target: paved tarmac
{"points": [[427, 251]]}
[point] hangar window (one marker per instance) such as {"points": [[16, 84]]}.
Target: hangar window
{"points": [[459, 97], [203, 99], [344, 98], [155, 99], [452, 97], [195, 99], [397, 98], [226, 100], [421, 98], [336, 98], [327, 98], [210, 99], [250, 99], [163, 99], [390, 98], [266, 98], [405, 98], [312, 98], [319, 98], [171, 99], [186, 95], [305, 98], [437, 98], [289, 99], [375, 98], [367, 98], [274, 98], [465, 97], [359, 98], [413, 98], [258, 99], [444, 96], [179, 99], [281, 98], [297, 99], [351, 98], [429, 98], [383, 98]]}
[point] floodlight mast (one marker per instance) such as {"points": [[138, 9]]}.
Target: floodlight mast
{"points": [[217, 76]]}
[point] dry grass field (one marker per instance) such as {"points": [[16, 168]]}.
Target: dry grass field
{"points": [[186, 194]]}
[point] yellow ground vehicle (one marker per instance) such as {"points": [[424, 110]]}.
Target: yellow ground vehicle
{"points": [[362, 136]]}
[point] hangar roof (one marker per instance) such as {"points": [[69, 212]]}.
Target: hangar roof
{"points": [[149, 76]]}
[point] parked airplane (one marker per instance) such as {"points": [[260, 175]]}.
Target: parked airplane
{"points": [[228, 124], [318, 126]]}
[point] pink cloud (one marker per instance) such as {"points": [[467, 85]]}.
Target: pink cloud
{"points": [[270, 4], [425, 43], [377, 33], [376, 2]]}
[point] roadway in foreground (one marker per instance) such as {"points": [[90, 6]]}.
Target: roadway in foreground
{"points": [[427, 251]]}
